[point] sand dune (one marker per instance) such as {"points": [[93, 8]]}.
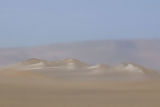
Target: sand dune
{"points": [[81, 69]]}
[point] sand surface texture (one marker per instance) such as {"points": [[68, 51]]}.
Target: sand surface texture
{"points": [[72, 83]]}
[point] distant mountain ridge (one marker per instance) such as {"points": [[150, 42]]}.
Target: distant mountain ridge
{"points": [[140, 51]]}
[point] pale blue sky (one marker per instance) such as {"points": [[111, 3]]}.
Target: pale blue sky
{"points": [[38, 22]]}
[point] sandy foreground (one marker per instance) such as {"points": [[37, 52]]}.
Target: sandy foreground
{"points": [[27, 89]]}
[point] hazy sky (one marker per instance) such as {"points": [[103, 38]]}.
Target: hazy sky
{"points": [[35, 22]]}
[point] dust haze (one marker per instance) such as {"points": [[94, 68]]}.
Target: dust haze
{"points": [[140, 51]]}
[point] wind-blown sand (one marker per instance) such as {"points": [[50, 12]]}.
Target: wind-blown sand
{"points": [[50, 88]]}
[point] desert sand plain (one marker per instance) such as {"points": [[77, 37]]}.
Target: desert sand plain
{"points": [[72, 83]]}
